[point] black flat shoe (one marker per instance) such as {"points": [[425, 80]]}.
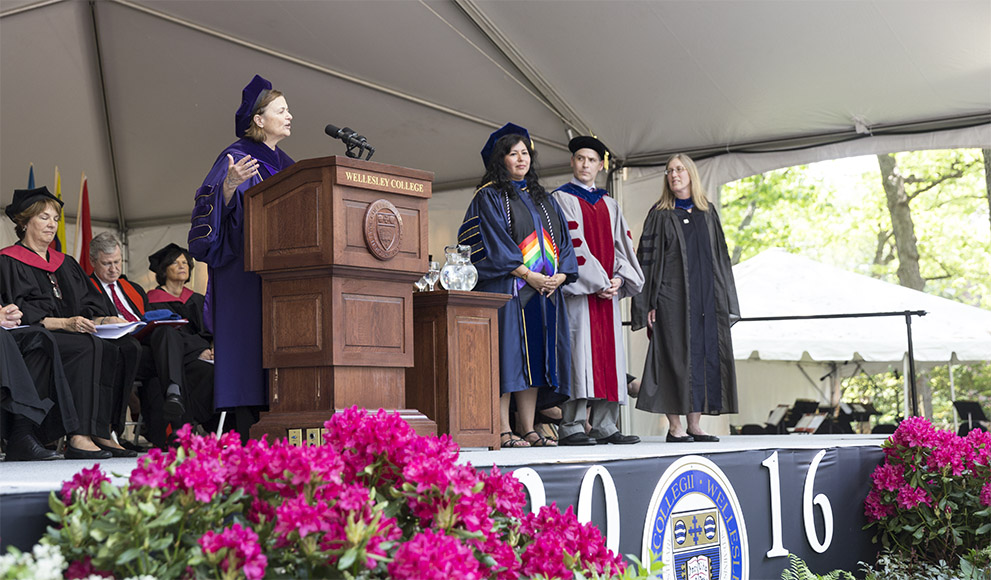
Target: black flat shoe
{"points": [[704, 438], [672, 439], [28, 448], [116, 452], [618, 438], [576, 439], [73, 453]]}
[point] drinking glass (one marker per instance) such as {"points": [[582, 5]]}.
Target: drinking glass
{"points": [[432, 275], [421, 284]]}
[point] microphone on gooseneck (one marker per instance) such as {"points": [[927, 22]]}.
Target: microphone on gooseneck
{"points": [[356, 144]]}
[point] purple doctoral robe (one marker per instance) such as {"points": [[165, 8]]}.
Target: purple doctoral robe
{"points": [[232, 308]]}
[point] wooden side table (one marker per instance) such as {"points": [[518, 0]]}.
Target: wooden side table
{"points": [[455, 376]]}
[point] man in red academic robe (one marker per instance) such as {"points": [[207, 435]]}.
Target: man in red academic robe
{"points": [[607, 272]]}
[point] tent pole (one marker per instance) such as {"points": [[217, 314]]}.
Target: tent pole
{"points": [[953, 396], [615, 187], [911, 364], [121, 224]]}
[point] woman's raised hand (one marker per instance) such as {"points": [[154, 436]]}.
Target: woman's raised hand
{"points": [[238, 173]]}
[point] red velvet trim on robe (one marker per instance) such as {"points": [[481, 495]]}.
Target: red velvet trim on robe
{"points": [[26, 256], [598, 236], [158, 295]]}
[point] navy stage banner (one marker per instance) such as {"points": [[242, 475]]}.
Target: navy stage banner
{"points": [[734, 515]]}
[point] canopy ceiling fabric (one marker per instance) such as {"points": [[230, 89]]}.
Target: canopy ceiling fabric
{"points": [[140, 94], [776, 283]]}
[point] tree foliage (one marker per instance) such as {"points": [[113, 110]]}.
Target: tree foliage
{"points": [[847, 223]]}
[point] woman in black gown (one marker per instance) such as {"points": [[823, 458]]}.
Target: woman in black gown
{"points": [[688, 302], [172, 266], [53, 292]]}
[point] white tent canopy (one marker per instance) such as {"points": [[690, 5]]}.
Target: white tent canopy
{"points": [[776, 283], [140, 94]]}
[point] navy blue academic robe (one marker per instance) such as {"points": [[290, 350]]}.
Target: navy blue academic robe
{"points": [[232, 308], [505, 232]]}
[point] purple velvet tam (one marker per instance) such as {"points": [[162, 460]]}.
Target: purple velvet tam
{"points": [[507, 129], [250, 97]]}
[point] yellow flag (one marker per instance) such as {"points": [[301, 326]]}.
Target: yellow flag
{"points": [[59, 242]]}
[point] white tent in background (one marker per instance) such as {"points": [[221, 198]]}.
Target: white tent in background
{"points": [[776, 283]]}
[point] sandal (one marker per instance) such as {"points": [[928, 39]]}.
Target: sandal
{"points": [[540, 441], [506, 440]]}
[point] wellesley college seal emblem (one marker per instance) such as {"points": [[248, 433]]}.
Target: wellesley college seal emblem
{"points": [[695, 524], [383, 229]]}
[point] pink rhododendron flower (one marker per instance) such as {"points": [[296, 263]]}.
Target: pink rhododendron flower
{"points": [[244, 552], [909, 497], [950, 453], [297, 515], [914, 432], [150, 471], [986, 494], [312, 504], [889, 477], [875, 508], [432, 555], [980, 444], [505, 493], [86, 482], [553, 534]]}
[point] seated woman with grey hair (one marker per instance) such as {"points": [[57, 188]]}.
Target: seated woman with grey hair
{"points": [[51, 291]]}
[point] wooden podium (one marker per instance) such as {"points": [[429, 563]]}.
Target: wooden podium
{"points": [[338, 243], [455, 379]]}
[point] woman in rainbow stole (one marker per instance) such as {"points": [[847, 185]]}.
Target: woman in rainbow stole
{"points": [[520, 246]]}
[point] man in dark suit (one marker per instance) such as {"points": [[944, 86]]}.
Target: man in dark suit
{"points": [[162, 350]]}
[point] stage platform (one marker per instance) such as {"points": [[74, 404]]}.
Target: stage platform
{"points": [[742, 503]]}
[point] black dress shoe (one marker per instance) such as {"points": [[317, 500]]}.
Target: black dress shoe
{"points": [[704, 438], [117, 452], [576, 439], [618, 438], [672, 439], [173, 409], [74, 453], [26, 447]]}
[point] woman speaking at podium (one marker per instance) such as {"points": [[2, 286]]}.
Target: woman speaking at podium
{"points": [[232, 307]]}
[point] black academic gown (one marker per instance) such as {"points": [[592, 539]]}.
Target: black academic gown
{"points": [[100, 373], [162, 350], [198, 390], [689, 283], [33, 382]]}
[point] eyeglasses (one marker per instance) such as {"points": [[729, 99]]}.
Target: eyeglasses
{"points": [[681, 169], [55, 287]]}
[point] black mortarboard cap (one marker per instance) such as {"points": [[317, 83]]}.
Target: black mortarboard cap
{"points": [[507, 129], [250, 97], [587, 142], [165, 256], [25, 197]]}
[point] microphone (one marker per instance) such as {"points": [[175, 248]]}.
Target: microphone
{"points": [[337, 133], [356, 144]]}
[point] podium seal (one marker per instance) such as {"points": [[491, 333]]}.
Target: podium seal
{"points": [[383, 229], [695, 524]]}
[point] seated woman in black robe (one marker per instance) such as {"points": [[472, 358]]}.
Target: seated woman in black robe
{"points": [[35, 402], [172, 266], [53, 292]]}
